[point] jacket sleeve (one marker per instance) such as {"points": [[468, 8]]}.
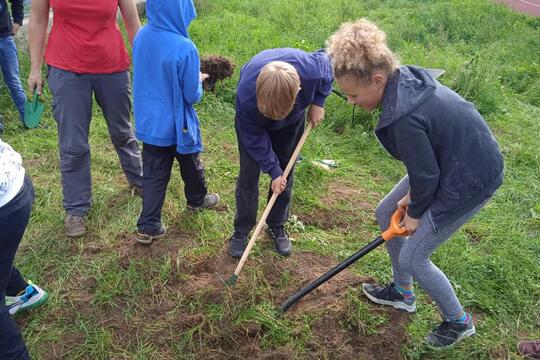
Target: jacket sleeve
{"points": [[323, 89], [415, 150], [255, 140], [191, 84], [17, 10]]}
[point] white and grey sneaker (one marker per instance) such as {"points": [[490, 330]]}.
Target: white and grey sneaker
{"points": [[33, 297]]}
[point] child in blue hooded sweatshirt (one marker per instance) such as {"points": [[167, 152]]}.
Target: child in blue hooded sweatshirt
{"points": [[167, 83]]}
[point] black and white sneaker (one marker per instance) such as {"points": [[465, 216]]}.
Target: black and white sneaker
{"points": [[389, 295], [449, 333]]}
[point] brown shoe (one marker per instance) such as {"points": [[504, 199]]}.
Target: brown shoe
{"points": [[74, 225], [530, 349]]}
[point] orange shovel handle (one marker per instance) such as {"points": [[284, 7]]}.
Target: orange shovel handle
{"points": [[395, 229]]}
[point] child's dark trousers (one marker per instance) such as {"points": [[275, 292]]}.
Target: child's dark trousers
{"points": [[157, 166], [284, 142], [14, 217]]}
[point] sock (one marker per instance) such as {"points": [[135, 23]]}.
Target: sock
{"points": [[465, 318], [407, 291]]}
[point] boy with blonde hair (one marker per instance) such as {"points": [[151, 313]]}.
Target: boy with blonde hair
{"points": [[275, 89]]}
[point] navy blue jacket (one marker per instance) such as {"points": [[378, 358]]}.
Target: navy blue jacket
{"points": [[17, 9], [253, 127], [453, 160]]}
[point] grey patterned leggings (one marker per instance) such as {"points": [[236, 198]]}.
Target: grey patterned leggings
{"points": [[410, 256]]}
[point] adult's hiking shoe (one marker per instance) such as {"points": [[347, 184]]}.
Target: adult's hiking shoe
{"points": [[147, 239], [450, 333], [237, 244], [74, 225], [210, 200], [389, 295], [32, 297], [280, 238], [530, 349]]}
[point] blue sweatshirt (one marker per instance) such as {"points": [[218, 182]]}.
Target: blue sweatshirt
{"points": [[252, 127], [453, 160], [166, 78]]}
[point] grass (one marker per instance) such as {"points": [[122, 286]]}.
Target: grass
{"points": [[110, 300]]}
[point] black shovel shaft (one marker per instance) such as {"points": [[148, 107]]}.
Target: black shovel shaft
{"points": [[331, 273]]}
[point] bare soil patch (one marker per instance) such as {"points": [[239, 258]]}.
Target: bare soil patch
{"points": [[164, 314]]}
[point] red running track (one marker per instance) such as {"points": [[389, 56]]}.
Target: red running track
{"points": [[530, 7]]}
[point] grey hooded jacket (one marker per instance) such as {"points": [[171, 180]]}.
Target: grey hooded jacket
{"points": [[452, 158]]}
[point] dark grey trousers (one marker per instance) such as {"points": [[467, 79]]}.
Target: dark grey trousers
{"points": [[410, 256], [72, 110], [247, 185]]}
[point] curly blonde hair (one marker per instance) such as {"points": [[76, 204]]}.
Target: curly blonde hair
{"points": [[358, 49], [276, 88]]}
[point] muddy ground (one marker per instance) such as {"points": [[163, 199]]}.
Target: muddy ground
{"points": [[188, 310]]}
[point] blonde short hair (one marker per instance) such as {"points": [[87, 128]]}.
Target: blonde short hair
{"points": [[277, 86], [359, 48]]}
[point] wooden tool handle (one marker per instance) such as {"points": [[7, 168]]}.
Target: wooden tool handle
{"points": [[271, 202]]}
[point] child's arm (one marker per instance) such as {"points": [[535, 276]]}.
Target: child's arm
{"points": [[416, 151], [316, 109], [323, 90], [255, 140], [191, 81]]}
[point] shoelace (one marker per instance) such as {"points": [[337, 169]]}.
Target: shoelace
{"points": [[443, 327], [386, 291], [279, 232]]}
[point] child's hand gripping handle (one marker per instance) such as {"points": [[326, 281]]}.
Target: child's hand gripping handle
{"points": [[395, 229]]}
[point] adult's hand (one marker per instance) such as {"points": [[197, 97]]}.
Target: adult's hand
{"points": [[35, 81], [315, 114]]}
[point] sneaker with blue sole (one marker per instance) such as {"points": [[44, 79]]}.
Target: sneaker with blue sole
{"points": [[389, 295], [33, 297]]}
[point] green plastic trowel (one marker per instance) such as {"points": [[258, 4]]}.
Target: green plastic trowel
{"points": [[33, 111]]}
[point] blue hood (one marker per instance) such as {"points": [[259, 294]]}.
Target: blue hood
{"points": [[171, 15]]}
